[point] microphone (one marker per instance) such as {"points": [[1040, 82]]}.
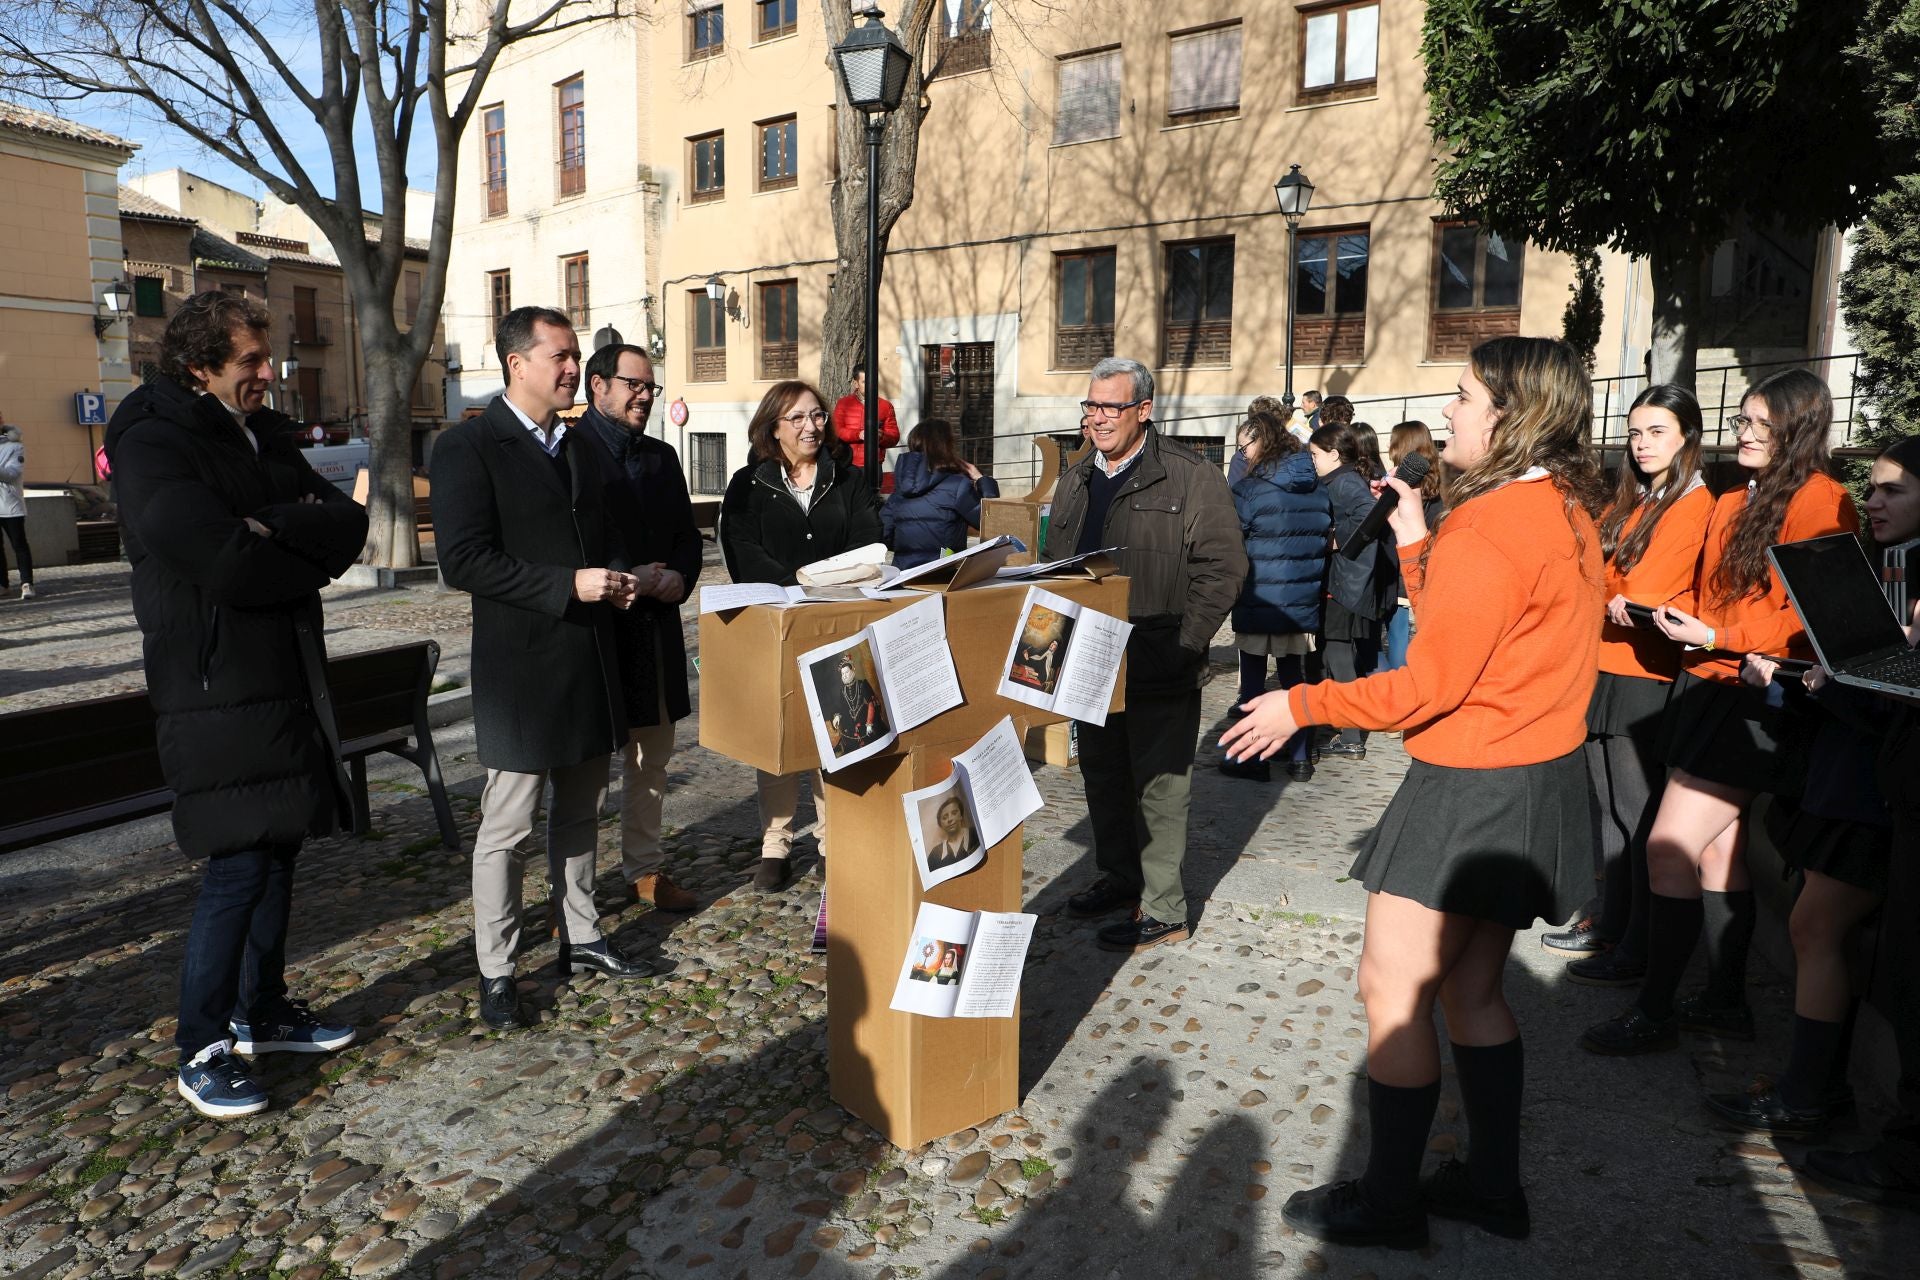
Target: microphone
{"points": [[1412, 470]]}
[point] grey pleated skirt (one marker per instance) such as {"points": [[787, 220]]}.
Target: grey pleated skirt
{"points": [[1510, 845]]}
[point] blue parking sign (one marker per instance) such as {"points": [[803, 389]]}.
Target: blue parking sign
{"points": [[90, 408]]}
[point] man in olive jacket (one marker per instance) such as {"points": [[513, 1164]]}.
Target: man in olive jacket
{"points": [[1169, 514]]}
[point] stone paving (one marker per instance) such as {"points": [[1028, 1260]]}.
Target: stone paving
{"points": [[683, 1125]]}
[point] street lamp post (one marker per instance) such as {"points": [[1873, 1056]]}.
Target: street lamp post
{"points": [[873, 67], [1294, 193], [116, 300]]}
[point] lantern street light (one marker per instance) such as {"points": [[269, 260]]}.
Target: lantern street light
{"points": [[116, 300], [1295, 194], [873, 67]]}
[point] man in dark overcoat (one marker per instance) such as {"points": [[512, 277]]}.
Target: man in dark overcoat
{"points": [[521, 523], [231, 535]]}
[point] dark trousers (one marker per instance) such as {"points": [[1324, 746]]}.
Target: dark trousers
{"points": [[1287, 673], [15, 527], [1627, 781], [1347, 661], [1137, 769], [236, 960]]}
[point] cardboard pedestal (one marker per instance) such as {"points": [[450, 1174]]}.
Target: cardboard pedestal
{"points": [[912, 1078]]}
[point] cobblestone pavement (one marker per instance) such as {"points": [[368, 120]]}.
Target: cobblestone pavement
{"points": [[682, 1125]]}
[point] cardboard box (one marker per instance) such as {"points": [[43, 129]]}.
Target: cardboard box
{"points": [[1055, 744], [1015, 516], [752, 708]]}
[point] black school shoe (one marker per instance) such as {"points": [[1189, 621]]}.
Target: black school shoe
{"points": [[1340, 1213], [1886, 1173], [1251, 770], [1607, 969], [1138, 935], [1103, 895], [1582, 937], [1729, 1022], [1631, 1032], [1761, 1109], [1448, 1193]]}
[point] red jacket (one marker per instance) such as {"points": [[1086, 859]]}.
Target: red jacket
{"points": [[850, 426]]}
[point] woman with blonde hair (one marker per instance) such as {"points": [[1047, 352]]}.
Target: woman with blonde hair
{"points": [[1491, 829]]}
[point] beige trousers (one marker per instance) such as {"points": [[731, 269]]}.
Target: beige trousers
{"points": [[508, 806], [643, 791], [779, 796]]}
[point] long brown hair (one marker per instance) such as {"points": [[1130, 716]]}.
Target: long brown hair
{"points": [[1413, 437], [1270, 434], [933, 440], [1544, 396], [1800, 411], [1631, 491], [780, 398], [1366, 443]]}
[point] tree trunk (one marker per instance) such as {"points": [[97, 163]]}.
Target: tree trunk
{"points": [[1675, 276], [392, 540]]}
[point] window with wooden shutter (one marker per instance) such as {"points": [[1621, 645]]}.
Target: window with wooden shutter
{"points": [[573, 283], [708, 161], [1089, 105], [1083, 313], [499, 299], [1205, 72], [1476, 289], [1339, 51], [573, 136], [780, 329], [779, 147], [706, 30], [1330, 296], [708, 324], [1199, 314], [493, 128]]}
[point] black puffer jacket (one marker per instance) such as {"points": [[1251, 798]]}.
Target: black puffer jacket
{"points": [[231, 620], [766, 537]]}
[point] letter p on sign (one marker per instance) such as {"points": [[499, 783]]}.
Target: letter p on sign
{"points": [[90, 408]]}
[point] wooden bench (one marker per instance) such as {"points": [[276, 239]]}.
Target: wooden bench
{"points": [[80, 766]]}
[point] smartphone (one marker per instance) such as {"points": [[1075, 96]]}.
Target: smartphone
{"points": [[1641, 616]]}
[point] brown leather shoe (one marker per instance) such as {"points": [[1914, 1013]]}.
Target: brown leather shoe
{"points": [[664, 894]]}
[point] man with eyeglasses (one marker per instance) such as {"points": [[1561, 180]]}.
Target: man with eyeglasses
{"points": [[648, 504], [1170, 515]]}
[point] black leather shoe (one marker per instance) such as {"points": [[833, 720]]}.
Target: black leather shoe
{"points": [[1251, 770], [602, 955], [1607, 969], [1337, 750], [1448, 1193], [1581, 937], [1300, 770], [772, 874], [1103, 895], [1630, 1033], [1886, 1173], [1138, 935], [500, 1004], [1729, 1022], [1340, 1213], [1761, 1109]]}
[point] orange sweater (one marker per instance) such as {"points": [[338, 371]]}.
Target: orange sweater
{"points": [[1502, 667], [1664, 573], [1765, 623]]}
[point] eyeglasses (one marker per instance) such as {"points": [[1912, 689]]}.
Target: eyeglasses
{"points": [[1761, 428], [798, 420], [1095, 409], [637, 386]]}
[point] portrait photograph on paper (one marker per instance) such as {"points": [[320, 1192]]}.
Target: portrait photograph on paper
{"points": [[843, 695], [1042, 650], [945, 836], [1064, 657], [937, 960]]}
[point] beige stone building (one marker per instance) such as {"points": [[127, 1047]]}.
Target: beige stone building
{"points": [[1093, 178], [59, 251], [160, 270]]}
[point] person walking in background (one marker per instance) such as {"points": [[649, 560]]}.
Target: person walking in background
{"points": [[1651, 535], [1409, 438], [792, 504], [231, 535], [1286, 520], [648, 503], [1490, 830], [1310, 411], [1725, 742], [1334, 411], [13, 509], [936, 497], [850, 424], [1168, 513], [1360, 592], [519, 508]]}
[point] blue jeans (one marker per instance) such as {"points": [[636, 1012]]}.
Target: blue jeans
{"points": [[1398, 635], [1253, 683], [235, 966]]}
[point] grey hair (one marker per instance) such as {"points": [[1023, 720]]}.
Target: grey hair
{"points": [[1115, 366]]}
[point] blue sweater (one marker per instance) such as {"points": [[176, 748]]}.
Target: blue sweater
{"points": [[1285, 517], [929, 511]]}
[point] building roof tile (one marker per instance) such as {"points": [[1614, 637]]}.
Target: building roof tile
{"points": [[27, 120], [138, 204]]}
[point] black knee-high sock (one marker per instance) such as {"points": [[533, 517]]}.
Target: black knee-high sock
{"points": [[1490, 1081], [1673, 927], [1729, 919], [1815, 1046], [1843, 1054], [1401, 1119]]}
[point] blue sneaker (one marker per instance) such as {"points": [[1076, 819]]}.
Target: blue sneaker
{"points": [[215, 1084], [293, 1030]]}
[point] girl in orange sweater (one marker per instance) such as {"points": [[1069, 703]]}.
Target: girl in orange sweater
{"points": [[1725, 742], [1651, 535], [1492, 827]]}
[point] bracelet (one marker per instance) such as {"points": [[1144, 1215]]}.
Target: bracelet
{"points": [[1712, 635]]}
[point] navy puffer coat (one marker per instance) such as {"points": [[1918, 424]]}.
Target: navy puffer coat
{"points": [[1285, 517], [928, 511]]}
